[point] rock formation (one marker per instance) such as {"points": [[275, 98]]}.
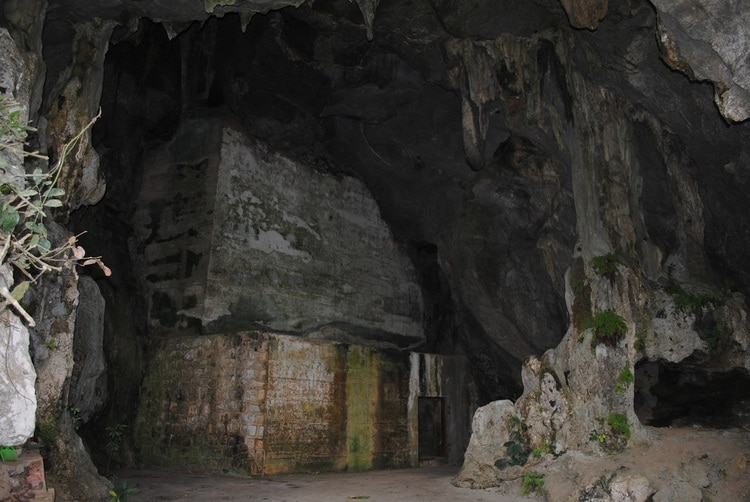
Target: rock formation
{"points": [[536, 189]]}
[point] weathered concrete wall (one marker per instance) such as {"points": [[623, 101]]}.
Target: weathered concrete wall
{"points": [[174, 219], [203, 403], [306, 412], [234, 237], [266, 403], [446, 377]]}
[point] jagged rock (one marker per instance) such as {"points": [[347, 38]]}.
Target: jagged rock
{"points": [[70, 469], [16, 72], [585, 13], [75, 102], [710, 40], [368, 7], [88, 385], [630, 487], [579, 143], [179, 11], [491, 427], [54, 303], [618, 487]]}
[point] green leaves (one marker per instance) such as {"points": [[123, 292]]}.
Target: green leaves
{"points": [[20, 290], [606, 265], [9, 217], [608, 326], [24, 203], [619, 424]]}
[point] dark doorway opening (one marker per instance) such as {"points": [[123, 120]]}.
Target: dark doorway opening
{"points": [[431, 428]]}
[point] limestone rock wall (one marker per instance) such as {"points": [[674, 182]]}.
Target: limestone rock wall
{"points": [[88, 387], [17, 377], [710, 40], [20, 70], [580, 395], [234, 236]]}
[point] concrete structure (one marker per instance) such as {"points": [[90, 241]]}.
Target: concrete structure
{"points": [[233, 237], [265, 403]]}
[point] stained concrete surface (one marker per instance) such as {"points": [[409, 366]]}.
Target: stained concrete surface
{"points": [[424, 483]]}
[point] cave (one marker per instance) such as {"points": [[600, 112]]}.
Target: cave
{"points": [[670, 395], [345, 236]]}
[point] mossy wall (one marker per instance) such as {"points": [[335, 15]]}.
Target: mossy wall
{"points": [[203, 404], [266, 403]]}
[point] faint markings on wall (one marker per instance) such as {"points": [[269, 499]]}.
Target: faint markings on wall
{"points": [[305, 406], [262, 403]]}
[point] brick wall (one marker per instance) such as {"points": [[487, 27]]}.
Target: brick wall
{"points": [[203, 403], [266, 403]]}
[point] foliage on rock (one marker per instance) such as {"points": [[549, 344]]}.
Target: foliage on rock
{"points": [[608, 327], [624, 379], [517, 448], [24, 203], [619, 424], [531, 481], [606, 265], [703, 308]]}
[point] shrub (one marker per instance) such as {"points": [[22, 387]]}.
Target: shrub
{"points": [[640, 341], [702, 308], [624, 379], [606, 265], [619, 424], [531, 481], [608, 327], [517, 447]]}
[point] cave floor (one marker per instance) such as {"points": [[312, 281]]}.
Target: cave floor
{"points": [[713, 462], [423, 483]]}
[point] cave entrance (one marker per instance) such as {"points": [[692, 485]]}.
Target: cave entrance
{"points": [[431, 428], [670, 394]]}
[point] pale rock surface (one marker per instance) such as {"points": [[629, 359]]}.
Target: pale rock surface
{"points": [[710, 40], [490, 430], [17, 375]]}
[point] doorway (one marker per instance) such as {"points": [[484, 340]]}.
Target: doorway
{"points": [[431, 428]]}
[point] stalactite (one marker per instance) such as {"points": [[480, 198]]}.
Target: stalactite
{"points": [[368, 7], [475, 77]]}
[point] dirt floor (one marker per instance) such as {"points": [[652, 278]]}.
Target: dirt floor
{"points": [[424, 483], [683, 463]]}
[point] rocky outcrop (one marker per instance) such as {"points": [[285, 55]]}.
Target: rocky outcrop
{"points": [[585, 13], [21, 68], [710, 41], [73, 102], [506, 151]]}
